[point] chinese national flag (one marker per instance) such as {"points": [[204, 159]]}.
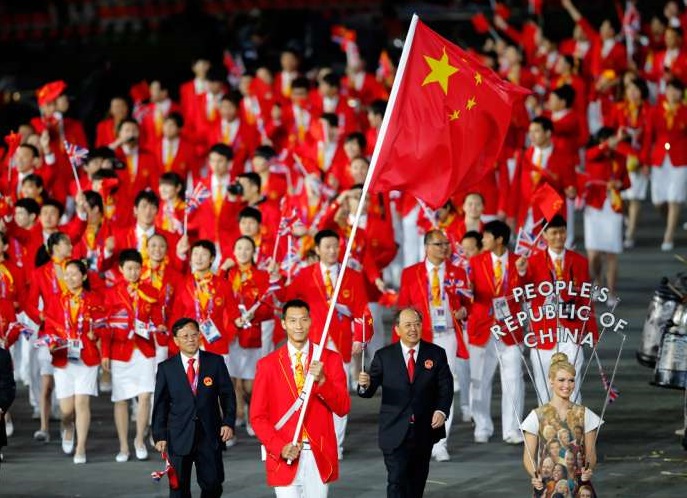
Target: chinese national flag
{"points": [[547, 200], [446, 123]]}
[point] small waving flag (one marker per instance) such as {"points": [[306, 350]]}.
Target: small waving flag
{"points": [[198, 196], [459, 258], [613, 391], [76, 153], [286, 222], [119, 320], [168, 471]]}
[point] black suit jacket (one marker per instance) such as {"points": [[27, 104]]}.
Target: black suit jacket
{"points": [[8, 390], [176, 410], [431, 390]]}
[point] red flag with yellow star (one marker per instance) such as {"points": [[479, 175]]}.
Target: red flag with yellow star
{"points": [[445, 123]]}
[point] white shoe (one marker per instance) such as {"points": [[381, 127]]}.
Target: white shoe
{"points": [[239, 422], [340, 452], [141, 453], [42, 436], [67, 444], [628, 243], [612, 301], [514, 439], [680, 432], [79, 459], [249, 430], [440, 454], [481, 439], [9, 428], [231, 442], [122, 457], [667, 246]]}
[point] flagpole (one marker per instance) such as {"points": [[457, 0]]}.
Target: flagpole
{"points": [[310, 380]]}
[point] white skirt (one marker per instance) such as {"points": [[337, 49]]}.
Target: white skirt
{"points": [[603, 229], [668, 183], [133, 377], [44, 359], [639, 184], [242, 361], [76, 378]]}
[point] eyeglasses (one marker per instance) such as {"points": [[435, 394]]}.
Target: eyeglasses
{"points": [[439, 244]]}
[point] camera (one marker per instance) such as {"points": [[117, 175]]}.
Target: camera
{"points": [[235, 189]]}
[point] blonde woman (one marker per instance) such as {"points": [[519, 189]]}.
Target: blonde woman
{"points": [[560, 412]]}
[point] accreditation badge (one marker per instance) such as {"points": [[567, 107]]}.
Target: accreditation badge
{"points": [[74, 347], [141, 329], [210, 331], [439, 318], [501, 309]]}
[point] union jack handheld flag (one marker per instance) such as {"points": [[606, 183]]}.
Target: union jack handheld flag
{"points": [[613, 392], [169, 471], [199, 195], [287, 222], [528, 242], [75, 153], [119, 320], [459, 258]]}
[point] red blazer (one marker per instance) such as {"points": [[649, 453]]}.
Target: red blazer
{"points": [[559, 172], [12, 188], [481, 315], [414, 291], [60, 323], [615, 60], [92, 248], [309, 286], [151, 129], [540, 268], [222, 309], [663, 139], [274, 391], [146, 177], [166, 280], [244, 143], [105, 132], [12, 296], [635, 121], [678, 68], [171, 218], [122, 311], [275, 188], [568, 132], [125, 238], [370, 90], [183, 161], [602, 166], [247, 293], [347, 119]]}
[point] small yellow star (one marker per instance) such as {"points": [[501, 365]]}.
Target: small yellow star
{"points": [[471, 103], [454, 115], [440, 72], [478, 79]]}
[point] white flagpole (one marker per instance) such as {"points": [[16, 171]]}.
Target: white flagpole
{"points": [[309, 381]]}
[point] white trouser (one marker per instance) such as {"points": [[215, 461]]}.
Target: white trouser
{"points": [[483, 363], [463, 374], [340, 423], [266, 336], [448, 341], [307, 483], [411, 248], [541, 361]]}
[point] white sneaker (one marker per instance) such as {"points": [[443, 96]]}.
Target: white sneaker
{"points": [[121, 457], [680, 432], [141, 453], [231, 442], [79, 459], [67, 444], [42, 436], [9, 427], [440, 454], [628, 243], [481, 439], [249, 429], [667, 246], [514, 439]]}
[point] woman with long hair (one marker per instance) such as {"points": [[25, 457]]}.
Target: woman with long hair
{"points": [[561, 412]]}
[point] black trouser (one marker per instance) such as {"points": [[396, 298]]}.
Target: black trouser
{"points": [[407, 467], [209, 467]]}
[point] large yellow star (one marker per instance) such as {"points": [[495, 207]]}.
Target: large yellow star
{"points": [[441, 71], [471, 103]]}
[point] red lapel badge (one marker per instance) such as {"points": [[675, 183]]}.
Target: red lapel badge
{"points": [[207, 381], [429, 364]]}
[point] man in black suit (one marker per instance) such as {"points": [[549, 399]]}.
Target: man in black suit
{"points": [[8, 390], [194, 412], [417, 390]]}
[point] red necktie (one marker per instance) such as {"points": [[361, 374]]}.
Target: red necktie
{"points": [[411, 365], [191, 375]]}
